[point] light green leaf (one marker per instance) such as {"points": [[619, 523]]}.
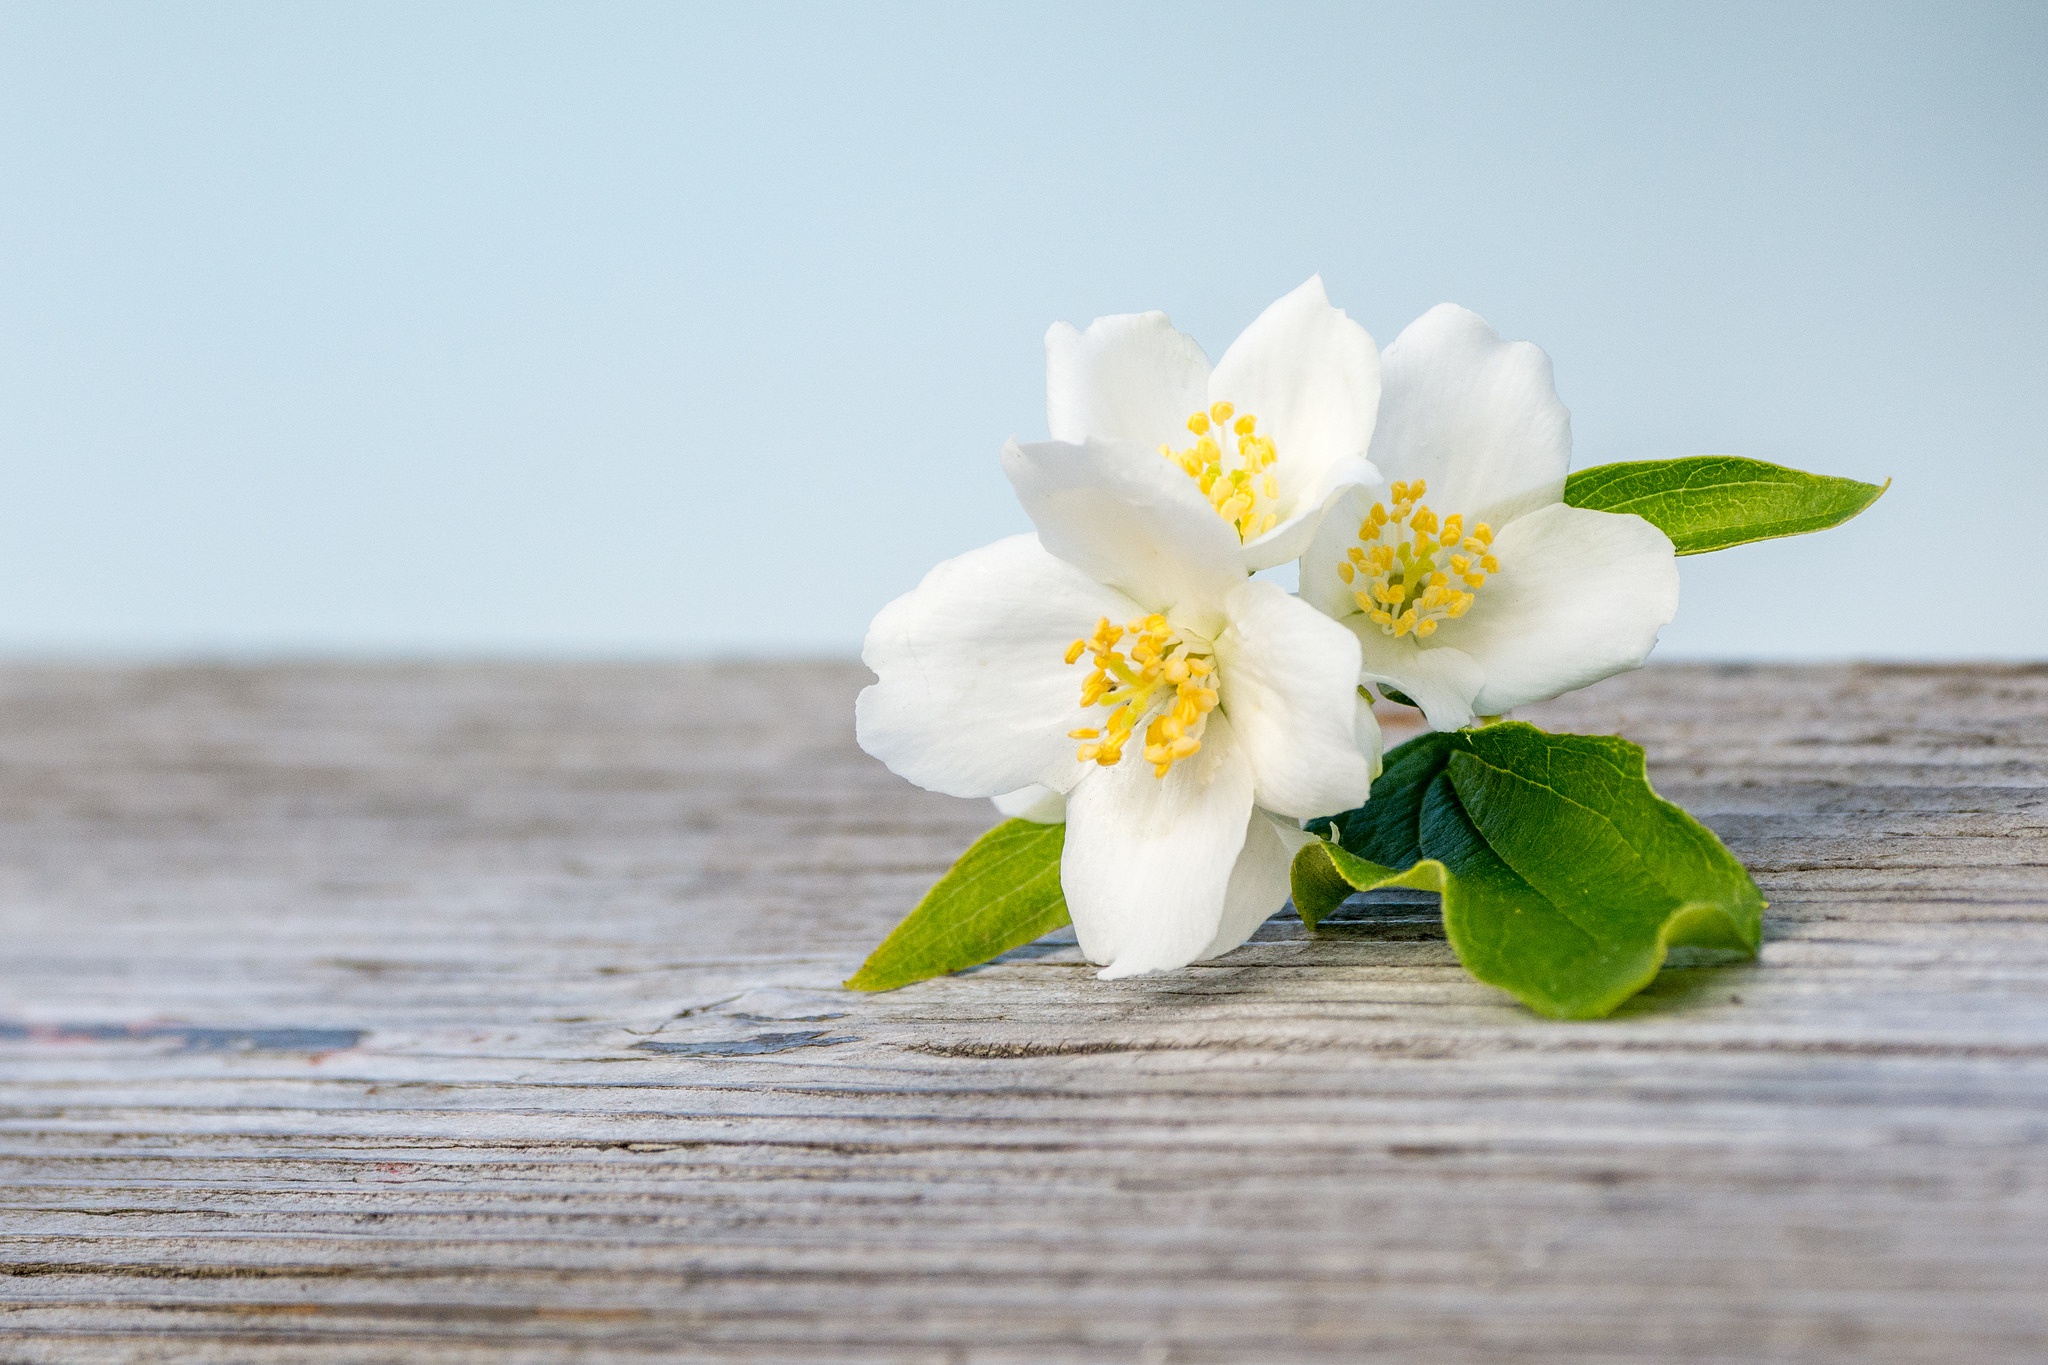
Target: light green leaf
{"points": [[1003, 893], [1565, 879], [1710, 502]]}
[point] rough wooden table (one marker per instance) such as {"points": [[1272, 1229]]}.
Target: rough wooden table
{"points": [[488, 1013]]}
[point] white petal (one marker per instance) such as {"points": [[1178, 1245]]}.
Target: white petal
{"points": [[1312, 378], [1580, 596], [1129, 377], [1039, 805], [975, 697], [1440, 679], [1289, 682], [1147, 859], [1365, 733], [1127, 517], [1321, 588], [1476, 416], [1259, 882]]}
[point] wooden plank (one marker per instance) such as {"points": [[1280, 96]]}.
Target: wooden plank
{"points": [[488, 1013]]}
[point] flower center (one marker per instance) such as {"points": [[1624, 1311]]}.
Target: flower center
{"points": [[1409, 572], [1137, 666], [1229, 459]]}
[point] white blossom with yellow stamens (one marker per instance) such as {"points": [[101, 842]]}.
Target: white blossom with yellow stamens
{"points": [[1270, 434], [1472, 588], [1119, 670]]}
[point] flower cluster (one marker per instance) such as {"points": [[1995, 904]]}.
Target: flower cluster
{"points": [[1421, 492]]}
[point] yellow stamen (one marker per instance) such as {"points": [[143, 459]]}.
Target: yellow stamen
{"points": [[1405, 567], [1155, 674], [1231, 462]]}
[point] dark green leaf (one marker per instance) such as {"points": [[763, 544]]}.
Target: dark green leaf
{"points": [[1709, 502], [1386, 829], [1003, 893], [1565, 878]]}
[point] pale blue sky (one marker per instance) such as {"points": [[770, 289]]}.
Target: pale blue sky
{"points": [[654, 329]]}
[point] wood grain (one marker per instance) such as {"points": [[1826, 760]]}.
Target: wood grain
{"points": [[488, 1013]]}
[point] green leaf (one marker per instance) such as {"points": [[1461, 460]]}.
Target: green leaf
{"points": [[1565, 879], [1709, 502], [1003, 893]]}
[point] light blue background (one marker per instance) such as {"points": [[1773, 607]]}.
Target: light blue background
{"points": [[644, 329]]}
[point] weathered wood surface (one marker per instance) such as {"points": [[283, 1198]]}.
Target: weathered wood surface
{"points": [[487, 1013]]}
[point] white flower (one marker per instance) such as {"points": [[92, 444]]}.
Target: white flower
{"points": [[1271, 434], [1471, 587], [1120, 657]]}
